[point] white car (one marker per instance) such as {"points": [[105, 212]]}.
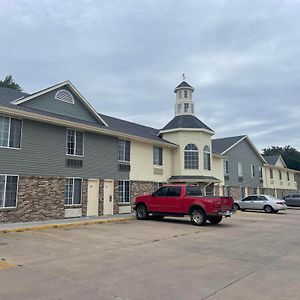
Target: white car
{"points": [[264, 202]]}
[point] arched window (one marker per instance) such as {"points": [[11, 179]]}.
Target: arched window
{"points": [[191, 158], [206, 158]]}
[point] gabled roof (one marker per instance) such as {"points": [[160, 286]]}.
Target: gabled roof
{"points": [[223, 145], [186, 122], [133, 128], [183, 85], [7, 95], [273, 159], [26, 98]]}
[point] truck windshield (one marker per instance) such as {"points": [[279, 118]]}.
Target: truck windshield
{"points": [[193, 190]]}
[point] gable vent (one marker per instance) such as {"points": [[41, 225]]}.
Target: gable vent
{"points": [[64, 96]]}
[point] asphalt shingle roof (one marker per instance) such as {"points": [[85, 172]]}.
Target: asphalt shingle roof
{"points": [[186, 121], [271, 159], [7, 95], [222, 144], [183, 84]]}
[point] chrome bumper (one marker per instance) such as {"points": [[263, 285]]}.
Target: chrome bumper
{"points": [[227, 213]]}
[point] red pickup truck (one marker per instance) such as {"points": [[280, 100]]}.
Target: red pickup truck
{"points": [[180, 200]]}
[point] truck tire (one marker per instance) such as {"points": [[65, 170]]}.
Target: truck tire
{"points": [[215, 219], [198, 217], [142, 212]]}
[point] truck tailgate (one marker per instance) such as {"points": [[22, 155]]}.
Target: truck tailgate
{"points": [[226, 203]]}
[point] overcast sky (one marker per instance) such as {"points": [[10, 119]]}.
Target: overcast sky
{"points": [[126, 57]]}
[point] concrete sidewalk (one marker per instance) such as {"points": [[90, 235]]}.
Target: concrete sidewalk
{"points": [[27, 226]]}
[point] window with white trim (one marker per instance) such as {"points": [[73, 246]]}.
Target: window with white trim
{"points": [[288, 176], [191, 157], [157, 156], [252, 171], [124, 191], [73, 191], [75, 142], [65, 96], [10, 132], [280, 175], [8, 190], [240, 169], [226, 167], [179, 108], [186, 107], [260, 172], [124, 151], [206, 158], [185, 94], [271, 174]]}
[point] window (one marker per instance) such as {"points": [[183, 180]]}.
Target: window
{"points": [[209, 190], [157, 156], [162, 191], [271, 174], [179, 108], [240, 169], [193, 190], [191, 159], [123, 191], [74, 142], [206, 158], [64, 96], [124, 151], [280, 175], [186, 107], [180, 94], [288, 176], [10, 132], [226, 167], [252, 171], [157, 185], [185, 94], [260, 172], [73, 188], [8, 190], [173, 191]]}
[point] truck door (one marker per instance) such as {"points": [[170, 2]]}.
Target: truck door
{"points": [[157, 201], [173, 200]]}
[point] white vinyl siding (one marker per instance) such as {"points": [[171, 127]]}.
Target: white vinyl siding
{"points": [[75, 142], [10, 132], [8, 191], [73, 191]]}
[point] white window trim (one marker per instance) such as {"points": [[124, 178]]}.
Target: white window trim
{"points": [[73, 192], [63, 90], [9, 126], [240, 169], [260, 172], [124, 154], [83, 141], [17, 192], [162, 159], [226, 169], [123, 202], [210, 157], [252, 171]]}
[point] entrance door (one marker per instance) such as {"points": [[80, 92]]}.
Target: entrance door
{"points": [[93, 197], [108, 202]]}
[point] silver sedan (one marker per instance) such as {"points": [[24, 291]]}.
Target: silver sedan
{"points": [[264, 202]]}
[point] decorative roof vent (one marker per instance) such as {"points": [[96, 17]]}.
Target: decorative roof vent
{"points": [[64, 96]]}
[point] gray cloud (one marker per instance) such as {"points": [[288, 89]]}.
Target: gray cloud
{"points": [[126, 57]]}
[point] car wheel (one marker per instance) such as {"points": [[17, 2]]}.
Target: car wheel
{"points": [[142, 212], [268, 209], [236, 206], [215, 219], [198, 217]]}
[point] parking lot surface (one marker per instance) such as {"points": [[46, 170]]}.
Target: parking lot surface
{"points": [[249, 256]]}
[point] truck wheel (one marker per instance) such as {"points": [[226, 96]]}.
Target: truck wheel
{"points": [[198, 217], [215, 219], [268, 209], [142, 212]]}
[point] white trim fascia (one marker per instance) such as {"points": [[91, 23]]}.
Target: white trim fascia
{"points": [[71, 124], [280, 168], [251, 144], [187, 129], [282, 161], [57, 86]]}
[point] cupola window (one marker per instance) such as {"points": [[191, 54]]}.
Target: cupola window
{"points": [[186, 107], [185, 94]]}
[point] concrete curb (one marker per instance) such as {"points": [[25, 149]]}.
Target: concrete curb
{"points": [[64, 225]]}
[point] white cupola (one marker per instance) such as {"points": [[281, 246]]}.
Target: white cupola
{"points": [[184, 101]]}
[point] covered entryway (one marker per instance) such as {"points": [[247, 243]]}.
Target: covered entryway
{"points": [[108, 202], [93, 198]]}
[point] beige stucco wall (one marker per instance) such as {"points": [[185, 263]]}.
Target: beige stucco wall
{"points": [[275, 182], [141, 163], [200, 139]]}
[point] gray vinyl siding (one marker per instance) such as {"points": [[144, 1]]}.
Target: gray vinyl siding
{"points": [[47, 102], [245, 154], [43, 153]]}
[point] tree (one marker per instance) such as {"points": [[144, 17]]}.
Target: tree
{"points": [[8, 82], [290, 155]]}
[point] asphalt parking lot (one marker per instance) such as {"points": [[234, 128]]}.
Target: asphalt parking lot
{"points": [[249, 256]]}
